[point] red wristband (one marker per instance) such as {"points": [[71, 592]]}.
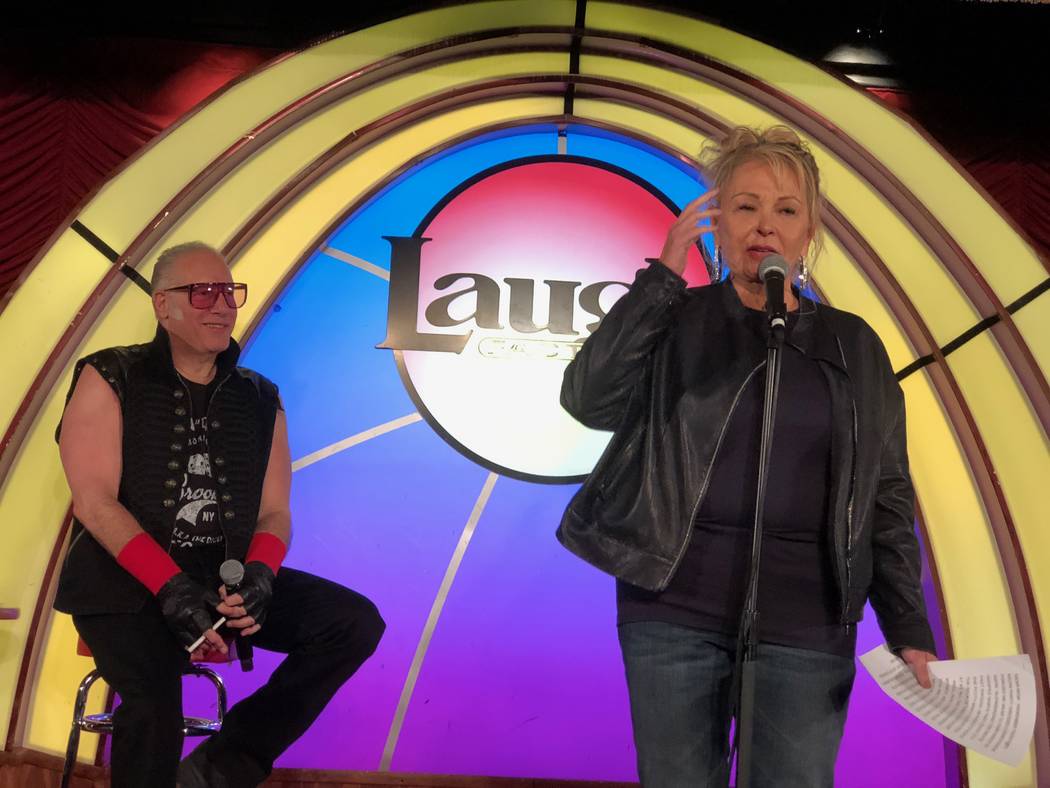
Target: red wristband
{"points": [[267, 549], [147, 562]]}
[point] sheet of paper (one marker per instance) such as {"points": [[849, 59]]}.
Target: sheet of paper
{"points": [[986, 705]]}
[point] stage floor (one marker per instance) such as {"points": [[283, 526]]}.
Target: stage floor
{"points": [[22, 768]]}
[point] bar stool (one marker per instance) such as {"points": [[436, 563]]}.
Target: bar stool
{"points": [[103, 723]]}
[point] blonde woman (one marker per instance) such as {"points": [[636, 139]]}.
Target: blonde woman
{"points": [[678, 374]]}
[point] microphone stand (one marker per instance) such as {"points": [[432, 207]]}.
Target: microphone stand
{"points": [[748, 633]]}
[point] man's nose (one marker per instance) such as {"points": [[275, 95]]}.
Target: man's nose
{"points": [[220, 307]]}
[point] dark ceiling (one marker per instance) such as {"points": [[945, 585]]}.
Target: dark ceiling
{"points": [[926, 37], [986, 54]]}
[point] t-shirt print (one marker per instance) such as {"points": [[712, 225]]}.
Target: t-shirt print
{"points": [[197, 518]]}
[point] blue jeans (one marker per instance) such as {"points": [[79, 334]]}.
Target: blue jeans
{"points": [[679, 683]]}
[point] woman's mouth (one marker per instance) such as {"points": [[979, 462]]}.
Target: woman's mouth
{"points": [[760, 252]]}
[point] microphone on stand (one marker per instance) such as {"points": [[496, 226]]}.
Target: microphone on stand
{"points": [[231, 572], [773, 272]]}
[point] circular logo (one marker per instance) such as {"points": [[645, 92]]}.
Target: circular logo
{"points": [[497, 290]]}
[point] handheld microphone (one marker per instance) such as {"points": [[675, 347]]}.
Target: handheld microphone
{"points": [[773, 272], [231, 572]]}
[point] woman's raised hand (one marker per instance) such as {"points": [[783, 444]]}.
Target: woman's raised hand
{"points": [[686, 230]]}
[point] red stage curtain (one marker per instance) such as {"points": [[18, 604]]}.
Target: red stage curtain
{"points": [[1016, 172], [1006, 148], [72, 112]]}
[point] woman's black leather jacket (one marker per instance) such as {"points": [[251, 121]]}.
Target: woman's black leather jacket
{"points": [[664, 371]]}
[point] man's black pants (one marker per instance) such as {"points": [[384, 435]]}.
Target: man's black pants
{"points": [[326, 630]]}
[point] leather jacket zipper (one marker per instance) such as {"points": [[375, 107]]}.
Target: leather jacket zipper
{"points": [[849, 504], [707, 477], [853, 480]]}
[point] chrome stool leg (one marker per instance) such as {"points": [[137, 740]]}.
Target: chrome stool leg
{"points": [[198, 726], [103, 723], [78, 720]]}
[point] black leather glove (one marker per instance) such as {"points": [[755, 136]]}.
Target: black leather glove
{"points": [[256, 590], [188, 608]]}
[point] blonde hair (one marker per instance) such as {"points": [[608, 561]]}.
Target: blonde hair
{"points": [[779, 147]]}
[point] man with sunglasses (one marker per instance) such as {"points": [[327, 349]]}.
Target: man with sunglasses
{"points": [[178, 459]]}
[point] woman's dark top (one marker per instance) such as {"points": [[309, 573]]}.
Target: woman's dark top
{"points": [[796, 594]]}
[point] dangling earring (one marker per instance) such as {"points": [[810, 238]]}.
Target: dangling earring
{"points": [[803, 274], [718, 265]]}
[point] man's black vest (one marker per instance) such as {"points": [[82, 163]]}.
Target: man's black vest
{"points": [[156, 412]]}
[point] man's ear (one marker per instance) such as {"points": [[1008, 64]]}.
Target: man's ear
{"points": [[160, 305]]}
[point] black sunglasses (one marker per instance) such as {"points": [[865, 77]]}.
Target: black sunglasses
{"points": [[203, 295]]}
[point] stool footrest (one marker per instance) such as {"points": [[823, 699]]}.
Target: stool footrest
{"points": [[103, 723], [191, 726]]}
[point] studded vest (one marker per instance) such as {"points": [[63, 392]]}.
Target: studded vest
{"points": [[156, 413]]}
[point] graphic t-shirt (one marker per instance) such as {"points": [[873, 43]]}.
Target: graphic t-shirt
{"points": [[197, 541]]}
